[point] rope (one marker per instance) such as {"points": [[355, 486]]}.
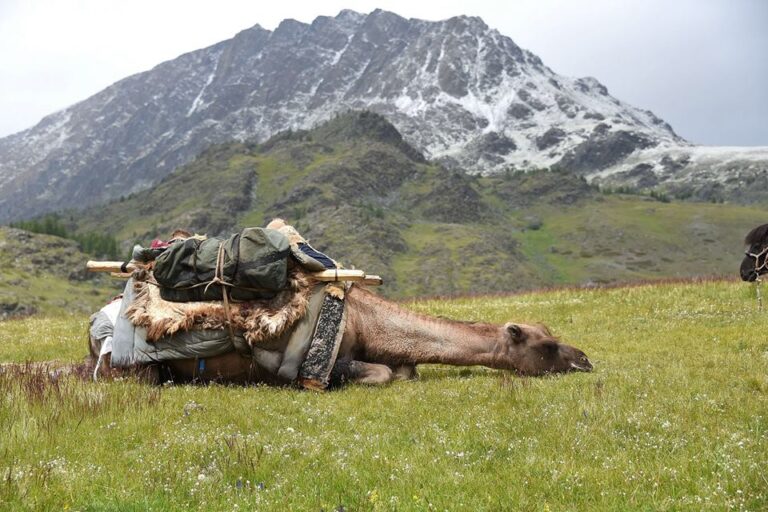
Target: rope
{"points": [[757, 256], [96, 370], [758, 269], [218, 278]]}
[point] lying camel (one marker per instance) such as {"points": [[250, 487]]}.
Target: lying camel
{"points": [[383, 341]]}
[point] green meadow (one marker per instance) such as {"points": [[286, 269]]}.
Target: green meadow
{"points": [[674, 417]]}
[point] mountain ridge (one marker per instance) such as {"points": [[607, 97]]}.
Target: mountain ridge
{"points": [[361, 194], [460, 92]]}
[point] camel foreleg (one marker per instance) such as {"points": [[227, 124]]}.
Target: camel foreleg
{"points": [[369, 373], [405, 372]]}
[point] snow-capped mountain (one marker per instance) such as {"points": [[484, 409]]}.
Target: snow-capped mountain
{"points": [[458, 90], [708, 173]]}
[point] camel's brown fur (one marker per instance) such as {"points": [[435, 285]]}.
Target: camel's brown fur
{"points": [[381, 332], [383, 342], [259, 320]]}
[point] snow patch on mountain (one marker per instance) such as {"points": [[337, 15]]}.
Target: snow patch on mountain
{"points": [[457, 90], [701, 172], [198, 101]]}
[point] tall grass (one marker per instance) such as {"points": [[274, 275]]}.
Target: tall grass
{"points": [[674, 417]]}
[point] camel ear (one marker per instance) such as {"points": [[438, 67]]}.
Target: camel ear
{"points": [[516, 332]]}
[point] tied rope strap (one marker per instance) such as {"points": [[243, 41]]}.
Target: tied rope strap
{"points": [[218, 278], [758, 269]]}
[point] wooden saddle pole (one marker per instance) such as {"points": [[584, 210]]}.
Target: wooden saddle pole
{"points": [[123, 269]]}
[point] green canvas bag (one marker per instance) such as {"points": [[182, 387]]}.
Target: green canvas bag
{"points": [[252, 265]]}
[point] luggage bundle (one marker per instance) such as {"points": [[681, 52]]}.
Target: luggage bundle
{"points": [[251, 265]]}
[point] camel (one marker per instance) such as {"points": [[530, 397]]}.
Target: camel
{"points": [[383, 342], [755, 263]]}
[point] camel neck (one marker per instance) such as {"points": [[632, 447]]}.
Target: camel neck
{"points": [[394, 334]]}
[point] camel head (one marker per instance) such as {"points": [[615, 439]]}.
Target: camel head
{"points": [[534, 351], [755, 262]]}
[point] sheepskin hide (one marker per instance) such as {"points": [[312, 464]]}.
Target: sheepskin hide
{"points": [[259, 320]]}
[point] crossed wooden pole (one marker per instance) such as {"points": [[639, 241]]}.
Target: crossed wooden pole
{"points": [[123, 270]]}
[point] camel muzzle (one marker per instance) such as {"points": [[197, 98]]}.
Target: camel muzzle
{"points": [[748, 275], [583, 365]]}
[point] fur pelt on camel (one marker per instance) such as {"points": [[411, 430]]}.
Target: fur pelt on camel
{"points": [[258, 320]]}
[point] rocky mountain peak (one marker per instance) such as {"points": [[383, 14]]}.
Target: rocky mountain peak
{"points": [[458, 91], [346, 15]]}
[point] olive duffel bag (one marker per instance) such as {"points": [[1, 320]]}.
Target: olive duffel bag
{"points": [[251, 265]]}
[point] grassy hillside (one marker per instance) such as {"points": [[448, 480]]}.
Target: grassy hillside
{"points": [[673, 418], [357, 191], [626, 238], [46, 274]]}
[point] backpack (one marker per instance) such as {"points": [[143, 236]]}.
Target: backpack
{"points": [[253, 263]]}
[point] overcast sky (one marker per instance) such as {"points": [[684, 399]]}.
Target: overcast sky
{"points": [[702, 65]]}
